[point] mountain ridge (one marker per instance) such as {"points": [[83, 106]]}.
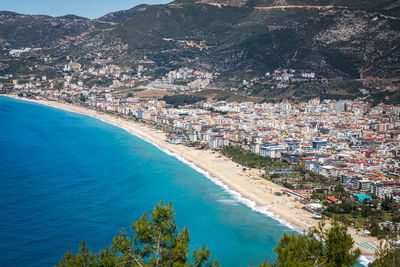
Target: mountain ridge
{"points": [[238, 39]]}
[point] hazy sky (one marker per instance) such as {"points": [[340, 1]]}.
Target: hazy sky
{"points": [[85, 8]]}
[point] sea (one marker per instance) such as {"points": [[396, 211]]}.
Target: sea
{"points": [[67, 177]]}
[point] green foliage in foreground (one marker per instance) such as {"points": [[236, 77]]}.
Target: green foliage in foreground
{"points": [[319, 247], [387, 258], [156, 242], [252, 160]]}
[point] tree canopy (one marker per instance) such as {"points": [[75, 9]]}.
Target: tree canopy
{"points": [[178, 100], [387, 257], [155, 242], [252, 160], [319, 247]]}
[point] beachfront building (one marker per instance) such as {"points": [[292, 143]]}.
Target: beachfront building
{"points": [[342, 139], [193, 136], [273, 151], [218, 142], [177, 138]]}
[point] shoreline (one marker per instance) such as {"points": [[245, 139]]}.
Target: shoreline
{"points": [[244, 186]]}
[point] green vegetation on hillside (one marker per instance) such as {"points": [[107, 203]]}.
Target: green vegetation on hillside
{"points": [[237, 41], [188, 22], [376, 5], [343, 63]]}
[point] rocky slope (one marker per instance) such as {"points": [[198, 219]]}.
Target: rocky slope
{"points": [[336, 39], [17, 30]]}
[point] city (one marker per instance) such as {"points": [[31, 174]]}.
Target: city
{"points": [[336, 143], [270, 129]]}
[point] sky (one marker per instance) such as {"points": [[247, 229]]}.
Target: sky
{"points": [[85, 8]]}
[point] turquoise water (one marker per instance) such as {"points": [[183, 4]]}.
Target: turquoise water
{"points": [[66, 177]]}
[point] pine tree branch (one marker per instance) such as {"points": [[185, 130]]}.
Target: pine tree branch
{"points": [[158, 248]]}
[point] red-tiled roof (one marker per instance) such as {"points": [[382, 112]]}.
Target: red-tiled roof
{"points": [[333, 199]]}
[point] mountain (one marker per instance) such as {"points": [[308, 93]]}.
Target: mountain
{"points": [[340, 41], [350, 45], [18, 30], [123, 15]]}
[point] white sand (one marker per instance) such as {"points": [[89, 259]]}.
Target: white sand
{"points": [[247, 183]]}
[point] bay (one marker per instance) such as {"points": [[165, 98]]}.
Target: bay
{"points": [[67, 177]]}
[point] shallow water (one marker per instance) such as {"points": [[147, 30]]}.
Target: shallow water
{"points": [[68, 177]]}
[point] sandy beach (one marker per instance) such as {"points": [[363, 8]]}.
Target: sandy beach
{"points": [[247, 183]]}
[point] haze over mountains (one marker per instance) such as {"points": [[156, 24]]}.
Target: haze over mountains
{"points": [[353, 41]]}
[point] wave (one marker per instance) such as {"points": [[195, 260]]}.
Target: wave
{"points": [[366, 260], [236, 195], [231, 202]]}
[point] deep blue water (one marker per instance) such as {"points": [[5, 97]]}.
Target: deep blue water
{"points": [[66, 177]]}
